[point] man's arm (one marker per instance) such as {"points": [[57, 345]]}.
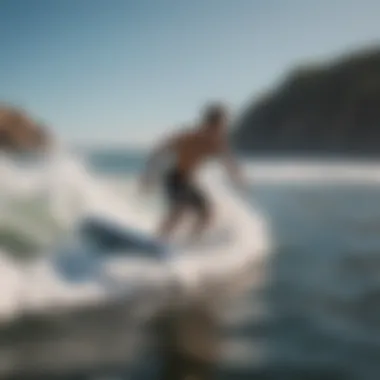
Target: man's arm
{"points": [[154, 159], [231, 164]]}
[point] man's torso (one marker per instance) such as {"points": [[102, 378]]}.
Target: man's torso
{"points": [[192, 149]]}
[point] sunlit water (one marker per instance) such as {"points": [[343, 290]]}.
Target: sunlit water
{"points": [[316, 313]]}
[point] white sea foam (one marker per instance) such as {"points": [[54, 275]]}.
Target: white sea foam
{"points": [[42, 205], [321, 261]]}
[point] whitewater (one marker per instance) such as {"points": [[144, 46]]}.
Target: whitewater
{"points": [[304, 300], [40, 208]]}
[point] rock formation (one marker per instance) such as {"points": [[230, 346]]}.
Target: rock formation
{"points": [[20, 132], [331, 109]]}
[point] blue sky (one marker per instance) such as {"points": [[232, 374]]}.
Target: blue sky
{"points": [[123, 71]]}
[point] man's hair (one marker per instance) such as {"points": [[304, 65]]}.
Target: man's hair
{"points": [[213, 113]]}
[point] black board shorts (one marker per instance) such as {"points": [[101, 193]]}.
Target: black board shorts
{"points": [[181, 191]]}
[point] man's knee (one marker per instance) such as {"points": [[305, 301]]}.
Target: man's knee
{"points": [[204, 213]]}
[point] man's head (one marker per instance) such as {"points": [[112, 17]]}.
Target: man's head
{"points": [[215, 117]]}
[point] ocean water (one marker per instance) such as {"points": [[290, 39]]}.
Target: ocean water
{"points": [[315, 313]]}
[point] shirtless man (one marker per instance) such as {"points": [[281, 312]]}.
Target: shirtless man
{"points": [[191, 148]]}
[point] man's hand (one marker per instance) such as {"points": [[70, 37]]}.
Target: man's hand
{"points": [[233, 169]]}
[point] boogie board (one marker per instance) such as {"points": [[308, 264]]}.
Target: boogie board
{"points": [[98, 239], [111, 236]]}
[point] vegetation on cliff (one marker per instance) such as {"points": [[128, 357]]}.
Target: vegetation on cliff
{"points": [[321, 109]]}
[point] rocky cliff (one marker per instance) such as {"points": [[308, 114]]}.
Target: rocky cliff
{"points": [[20, 132], [328, 109]]}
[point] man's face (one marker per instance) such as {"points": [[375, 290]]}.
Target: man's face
{"points": [[219, 125]]}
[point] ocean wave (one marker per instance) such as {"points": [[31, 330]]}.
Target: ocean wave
{"points": [[315, 297], [40, 208]]}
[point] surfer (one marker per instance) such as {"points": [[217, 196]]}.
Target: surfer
{"points": [[190, 149]]}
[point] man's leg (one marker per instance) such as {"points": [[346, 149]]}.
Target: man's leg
{"points": [[175, 192], [171, 221], [201, 224], [203, 214]]}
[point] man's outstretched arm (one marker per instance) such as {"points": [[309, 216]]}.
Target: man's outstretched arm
{"points": [[231, 164]]}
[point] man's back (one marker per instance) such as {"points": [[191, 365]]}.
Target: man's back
{"points": [[193, 147]]}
